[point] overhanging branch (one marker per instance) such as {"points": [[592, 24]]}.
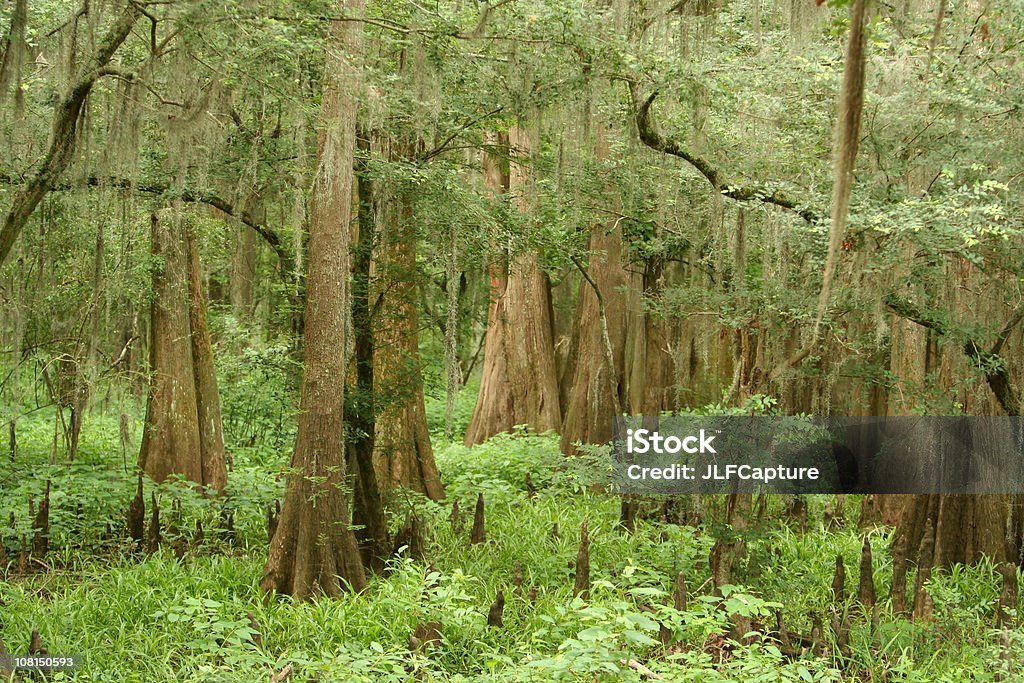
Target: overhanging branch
{"points": [[988, 360], [63, 133], [268, 234], [650, 136]]}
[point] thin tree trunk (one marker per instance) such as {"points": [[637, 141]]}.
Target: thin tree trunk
{"points": [[15, 53], [367, 507], [314, 551], [243, 262]]}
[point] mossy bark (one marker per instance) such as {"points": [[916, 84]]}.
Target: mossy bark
{"points": [[314, 550], [402, 453]]}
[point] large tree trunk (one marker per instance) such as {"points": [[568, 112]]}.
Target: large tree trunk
{"points": [[597, 357], [657, 386], [519, 384], [170, 437], [211, 428], [598, 388], [183, 433], [965, 527], [314, 551], [402, 453], [597, 391]]}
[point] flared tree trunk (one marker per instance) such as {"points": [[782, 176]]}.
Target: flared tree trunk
{"points": [[598, 391], [402, 453], [211, 427], [314, 550], [519, 382], [183, 433], [965, 527], [597, 360]]}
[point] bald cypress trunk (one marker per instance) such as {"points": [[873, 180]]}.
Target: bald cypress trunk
{"points": [[519, 384], [314, 551], [402, 452], [597, 388], [211, 429], [170, 437], [183, 433], [367, 507], [966, 527], [243, 264]]}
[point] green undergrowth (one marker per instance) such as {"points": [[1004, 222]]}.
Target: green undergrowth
{"points": [[160, 617]]}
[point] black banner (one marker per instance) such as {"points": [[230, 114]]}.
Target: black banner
{"points": [[734, 454]]}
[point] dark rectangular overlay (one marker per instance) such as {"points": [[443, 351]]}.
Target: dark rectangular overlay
{"points": [[731, 454]]}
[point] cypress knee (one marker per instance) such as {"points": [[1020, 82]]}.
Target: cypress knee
{"points": [[479, 532], [582, 587]]}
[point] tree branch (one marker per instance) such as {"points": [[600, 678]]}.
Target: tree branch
{"points": [[1015, 319], [427, 156], [650, 136], [63, 134], [989, 361], [267, 233]]}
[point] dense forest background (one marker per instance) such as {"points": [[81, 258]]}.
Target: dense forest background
{"points": [[315, 317]]}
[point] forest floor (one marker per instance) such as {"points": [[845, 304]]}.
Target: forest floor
{"points": [[192, 610]]}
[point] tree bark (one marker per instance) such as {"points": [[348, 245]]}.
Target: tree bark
{"points": [[597, 389], [211, 428], [967, 527], [243, 270], [658, 365], [183, 433], [170, 437], [15, 51], [519, 383], [402, 452], [367, 506], [314, 550]]}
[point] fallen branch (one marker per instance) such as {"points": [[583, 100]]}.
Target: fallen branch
{"points": [[282, 675], [641, 669]]}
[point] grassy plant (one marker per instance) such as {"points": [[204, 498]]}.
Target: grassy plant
{"points": [[157, 617]]}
